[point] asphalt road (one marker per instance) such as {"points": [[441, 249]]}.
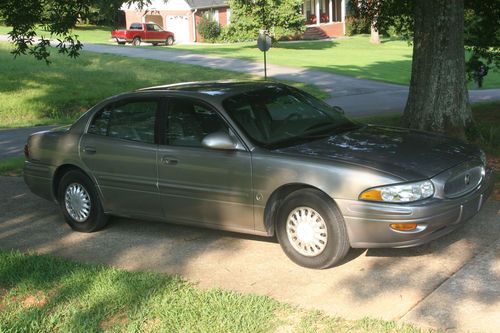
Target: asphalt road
{"points": [[451, 283]]}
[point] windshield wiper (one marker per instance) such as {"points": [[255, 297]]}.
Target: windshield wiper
{"points": [[318, 126]]}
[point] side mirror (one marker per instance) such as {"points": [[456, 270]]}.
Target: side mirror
{"points": [[219, 140]]}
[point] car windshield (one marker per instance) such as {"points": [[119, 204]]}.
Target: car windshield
{"points": [[280, 116]]}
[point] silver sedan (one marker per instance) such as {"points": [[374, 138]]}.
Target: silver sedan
{"points": [[259, 158]]}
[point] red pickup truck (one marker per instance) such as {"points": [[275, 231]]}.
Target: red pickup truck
{"points": [[143, 32]]}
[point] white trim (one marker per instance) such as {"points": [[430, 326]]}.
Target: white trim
{"points": [[228, 16], [194, 24], [330, 11], [342, 15], [318, 13]]}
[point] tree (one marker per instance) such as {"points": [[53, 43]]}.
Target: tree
{"points": [[438, 99], [281, 17], [56, 17]]}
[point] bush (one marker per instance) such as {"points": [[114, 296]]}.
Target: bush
{"points": [[282, 19], [356, 26], [209, 29]]}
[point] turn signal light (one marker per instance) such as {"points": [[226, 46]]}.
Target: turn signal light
{"points": [[372, 195], [404, 226]]}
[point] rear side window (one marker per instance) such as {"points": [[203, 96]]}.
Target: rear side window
{"points": [[135, 26], [133, 121]]}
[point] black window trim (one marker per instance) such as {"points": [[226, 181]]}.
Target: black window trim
{"points": [[160, 105], [167, 109]]}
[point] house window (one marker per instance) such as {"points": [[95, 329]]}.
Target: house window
{"points": [[215, 15], [212, 14]]}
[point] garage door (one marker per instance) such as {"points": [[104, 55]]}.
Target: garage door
{"points": [[179, 25]]}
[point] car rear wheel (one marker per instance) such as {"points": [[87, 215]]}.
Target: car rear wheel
{"points": [[311, 230], [169, 41], [136, 41], [80, 202]]}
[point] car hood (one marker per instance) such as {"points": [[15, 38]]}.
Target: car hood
{"points": [[408, 154]]}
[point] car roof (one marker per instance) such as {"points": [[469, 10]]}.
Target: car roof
{"points": [[214, 89]]}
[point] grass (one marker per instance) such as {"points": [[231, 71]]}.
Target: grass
{"points": [[35, 94], [12, 167], [86, 33], [39, 293], [355, 56]]}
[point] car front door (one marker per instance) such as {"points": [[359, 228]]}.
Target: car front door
{"points": [[154, 33], [120, 149], [199, 185]]}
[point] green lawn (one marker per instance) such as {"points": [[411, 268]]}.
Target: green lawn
{"points": [[40, 293], [34, 93], [12, 167], [86, 33], [355, 56]]}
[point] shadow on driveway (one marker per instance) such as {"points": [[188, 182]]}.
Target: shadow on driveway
{"points": [[380, 283]]}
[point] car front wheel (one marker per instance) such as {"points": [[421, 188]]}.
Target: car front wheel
{"points": [[169, 41], [311, 230], [80, 202]]}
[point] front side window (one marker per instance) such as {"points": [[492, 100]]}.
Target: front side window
{"points": [[279, 116], [188, 122], [153, 27], [133, 121]]}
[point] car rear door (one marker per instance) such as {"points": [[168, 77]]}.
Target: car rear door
{"points": [[120, 148], [199, 185]]}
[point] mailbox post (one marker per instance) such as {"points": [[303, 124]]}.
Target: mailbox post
{"points": [[264, 44]]}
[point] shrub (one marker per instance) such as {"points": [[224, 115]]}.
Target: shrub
{"points": [[282, 19], [356, 26], [209, 29]]}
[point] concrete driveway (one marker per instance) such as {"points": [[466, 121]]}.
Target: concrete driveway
{"points": [[450, 283]]}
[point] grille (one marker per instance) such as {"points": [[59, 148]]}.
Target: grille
{"points": [[463, 182]]}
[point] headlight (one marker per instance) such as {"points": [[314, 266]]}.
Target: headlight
{"points": [[407, 192], [482, 155]]}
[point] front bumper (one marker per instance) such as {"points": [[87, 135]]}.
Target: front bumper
{"points": [[368, 223]]}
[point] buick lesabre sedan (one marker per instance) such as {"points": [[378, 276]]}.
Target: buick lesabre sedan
{"points": [[259, 158]]}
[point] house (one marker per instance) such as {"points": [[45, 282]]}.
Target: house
{"points": [[182, 16]]}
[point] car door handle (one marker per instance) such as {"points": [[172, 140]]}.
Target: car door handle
{"points": [[168, 160], [89, 150]]}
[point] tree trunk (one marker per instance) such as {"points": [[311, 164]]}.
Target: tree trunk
{"points": [[438, 100], [374, 36]]}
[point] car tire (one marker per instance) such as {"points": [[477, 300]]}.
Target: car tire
{"points": [[136, 41], [311, 229], [169, 41], [80, 203], [155, 44]]}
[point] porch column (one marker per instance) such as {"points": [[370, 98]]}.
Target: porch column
{"points": [[342, 11], [342, 15], [330, 11], [317, 12]]}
